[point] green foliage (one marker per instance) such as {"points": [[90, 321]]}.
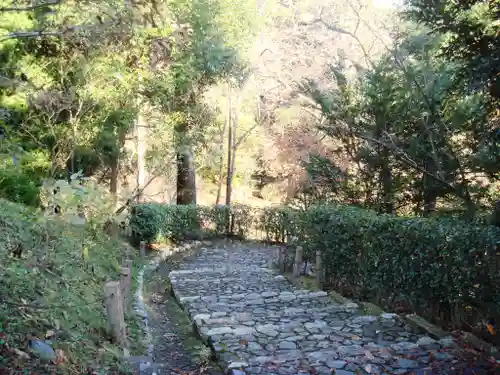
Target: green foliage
{"points": [[415, 134], [55, 287], [17, 186], [154, 222], [279, 223], [79, 196], [437, 267], [470, 35], [20, 179]]}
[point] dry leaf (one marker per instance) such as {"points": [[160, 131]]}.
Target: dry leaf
{"points": [[491, 329], [60, 356]]}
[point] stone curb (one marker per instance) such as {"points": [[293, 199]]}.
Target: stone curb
{"points": [[442, 335], [417, 321]]}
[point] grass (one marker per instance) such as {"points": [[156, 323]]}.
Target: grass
{"points": [[52, 278], [200, 353]]}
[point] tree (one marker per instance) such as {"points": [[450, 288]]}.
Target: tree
{"points": [[470, 33], [124, 57], [423, 149]]}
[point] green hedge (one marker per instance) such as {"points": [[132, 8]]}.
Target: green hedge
{"points": [[445, 270], [154, 222]]}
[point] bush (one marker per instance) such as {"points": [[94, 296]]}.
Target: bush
{"points": [[19, 187], [154, 222], [442, 269], [58, 272], [446, 270]]}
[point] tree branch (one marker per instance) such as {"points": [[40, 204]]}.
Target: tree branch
{"points": [[40, 33], [336, 29], [30, 8]]}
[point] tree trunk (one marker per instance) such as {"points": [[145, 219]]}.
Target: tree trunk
{"points": [[495, 217], [229, 176], [113, 184], [140, 144], [387, 188], [186, 176], [429, 205], [230, 155], [221, 161], [429, 194], [236, 142]]}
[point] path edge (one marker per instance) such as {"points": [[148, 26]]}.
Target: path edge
{"points": [[139, 305]]}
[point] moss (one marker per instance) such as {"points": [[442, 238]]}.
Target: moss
{"points": [[369, 308]]}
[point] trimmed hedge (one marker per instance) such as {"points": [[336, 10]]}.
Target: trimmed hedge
{"points": [[154, 222], [445, 270]]}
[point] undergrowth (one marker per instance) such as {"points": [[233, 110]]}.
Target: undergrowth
{"points": [[52, 277]]}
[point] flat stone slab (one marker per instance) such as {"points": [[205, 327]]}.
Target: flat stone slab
{"points": [[258, 323]]}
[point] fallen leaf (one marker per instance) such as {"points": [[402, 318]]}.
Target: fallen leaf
{"points": [[243, 342], [60, 356], [491, 329]]}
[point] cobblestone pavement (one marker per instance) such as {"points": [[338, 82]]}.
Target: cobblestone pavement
{"points": [[258, 323], [174, 342]]}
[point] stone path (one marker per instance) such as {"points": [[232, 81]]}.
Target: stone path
{"points": [[258, 323], [176, 349]]}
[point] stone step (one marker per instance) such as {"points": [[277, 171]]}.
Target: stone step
{"points": [[229, 285], [344, 359], [336, 318], [219, 271], [264, 263], [254, 301]]}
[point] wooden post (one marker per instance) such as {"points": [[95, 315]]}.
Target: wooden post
{"points": [[298, 261], [142, 248], [114, 310], [319, 270], [125, 281], [281, 260]]}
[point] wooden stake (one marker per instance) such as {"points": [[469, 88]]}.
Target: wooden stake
{"points": [[298, 261], [319, 270], [114, 310], [126, 281], [142, 248], [281, 260]]}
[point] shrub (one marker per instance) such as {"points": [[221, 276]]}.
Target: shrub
{"points": [[279, 223], [442, 269], [153, 222], [58, 271], [17, 186], [146, 222], [445, 269]]}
